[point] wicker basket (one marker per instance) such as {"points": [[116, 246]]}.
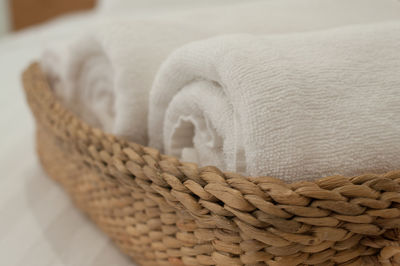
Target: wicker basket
{"points": [[161, 211]]}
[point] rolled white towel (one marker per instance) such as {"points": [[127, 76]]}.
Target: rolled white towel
{"points": [[295, 106], [105, 76]]}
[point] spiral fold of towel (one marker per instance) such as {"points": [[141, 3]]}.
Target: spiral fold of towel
{"points": [[281, 87], [295, 106]]}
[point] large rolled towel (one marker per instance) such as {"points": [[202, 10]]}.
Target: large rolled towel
{"points": [[294, 106], [105, 76]]}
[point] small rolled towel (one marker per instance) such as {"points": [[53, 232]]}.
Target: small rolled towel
{"points": [[294, 106], [105, 76]]}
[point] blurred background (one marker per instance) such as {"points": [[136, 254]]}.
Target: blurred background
{"points": [[19, 14]]}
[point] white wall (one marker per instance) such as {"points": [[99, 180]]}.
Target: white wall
{"points": [[4, 17]]}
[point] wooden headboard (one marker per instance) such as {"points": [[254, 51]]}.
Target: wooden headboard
{"points": [[25, 13]]}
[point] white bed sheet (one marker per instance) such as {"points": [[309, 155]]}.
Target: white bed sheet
{"points": [[39, 225]]}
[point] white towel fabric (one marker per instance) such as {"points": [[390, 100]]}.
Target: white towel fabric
{"points": [[105, 76], [295, 106]]}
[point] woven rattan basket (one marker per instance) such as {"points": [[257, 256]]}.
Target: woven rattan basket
{"points": [[161, 211]]}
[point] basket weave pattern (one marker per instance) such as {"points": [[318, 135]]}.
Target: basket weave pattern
{"points": [[161, 211]]}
